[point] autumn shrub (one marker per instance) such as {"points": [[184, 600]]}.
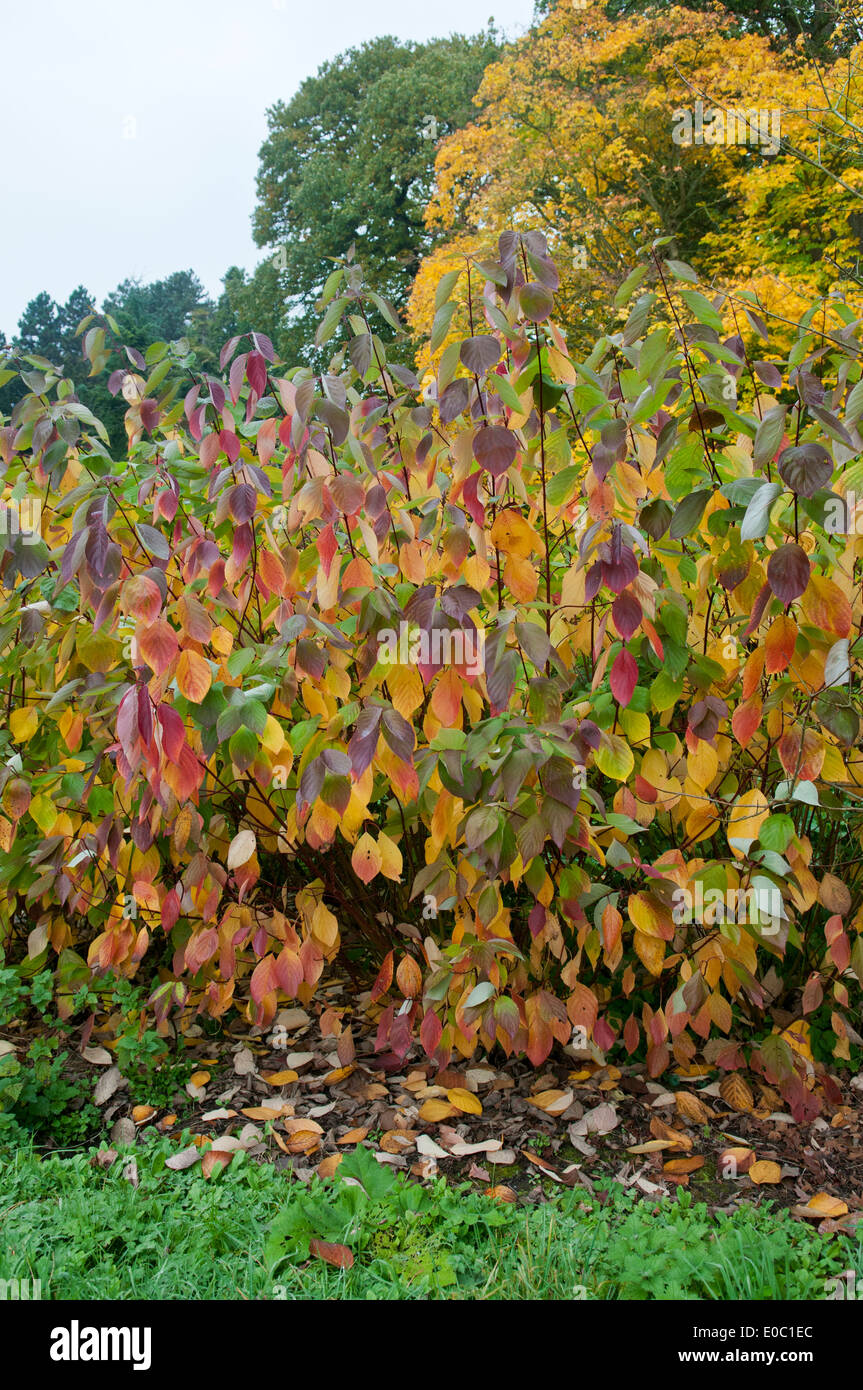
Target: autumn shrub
{"points": [[529, 691]]}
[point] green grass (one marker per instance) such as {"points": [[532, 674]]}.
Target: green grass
{"points": [[87, 1232]]}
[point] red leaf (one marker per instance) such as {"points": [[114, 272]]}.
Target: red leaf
{"points": [[384, 979], [624, 674], [431, 1032]]}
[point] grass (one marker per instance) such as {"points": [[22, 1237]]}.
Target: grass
{"points": [[87, 1232]]}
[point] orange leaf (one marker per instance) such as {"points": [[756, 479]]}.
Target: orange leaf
{"points": [[338, 1255], [822, 1204], [409, 977], [215, 1159], [194, 676], [735, 1092], [446, 699], [779, 644], [158, 646], [763, 1171]]}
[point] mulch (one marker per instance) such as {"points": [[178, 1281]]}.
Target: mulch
{"points": [[509, 1129]]}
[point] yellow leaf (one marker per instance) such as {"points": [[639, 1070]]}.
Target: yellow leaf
{"points": [[44, 813], [325, 927], [366, 859], [353, 1136], [391, 858], [434, 1110], [614, 757], [465, 1101], [199, 1078], [327, 1166], [278, 1078], [521, 578], [23, 723], [749, 813], [512, 534], [650, 951]]}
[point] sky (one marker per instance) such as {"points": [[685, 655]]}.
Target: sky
{"points": [[132, 134]]}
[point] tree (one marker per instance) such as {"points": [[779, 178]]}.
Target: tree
{"points": [[350, 159], [163, 310], [783, 22], [175, 307], [581, 131]]}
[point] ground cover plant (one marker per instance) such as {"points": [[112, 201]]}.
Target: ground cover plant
{"points": [[126, 1226]]}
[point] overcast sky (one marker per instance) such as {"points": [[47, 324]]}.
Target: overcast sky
{"points": [[132, 132]]}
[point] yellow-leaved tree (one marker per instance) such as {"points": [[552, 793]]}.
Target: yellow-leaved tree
{"points": [[608, 133]]}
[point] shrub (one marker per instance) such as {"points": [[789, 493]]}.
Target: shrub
{"points": [[536, 684]]}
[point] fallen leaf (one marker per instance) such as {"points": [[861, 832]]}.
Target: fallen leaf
{"points": [[214, 1160], [734, 1162], [735, 1092], [501, 1193], [398, 1141], [822, 1204], [683, 1165], [485, 1146], [353, 1136], [676, 1137], [541, 1163], [552, 1102], [142, 1113], [279, 1078], [244, 1062], [765, 1172], [338, 1255], [333, 1078], [104, 1158], [199, 1078], [123, 1131], [428, 1148], [184, 1159], [327, 1166], [692, 1108], [434, 1110], [465, 1101], [108, 1083], [294, 1124], [602, 1119]]}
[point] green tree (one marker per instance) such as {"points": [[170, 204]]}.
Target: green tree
{"points": [[781, 21], [350, 160], [162, 311], [46, 329]]}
